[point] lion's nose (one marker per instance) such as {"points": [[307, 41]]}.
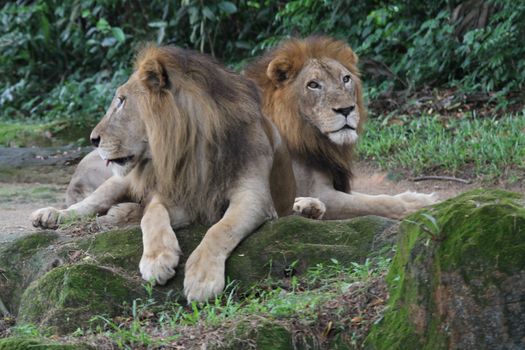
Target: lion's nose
{"points": [[344, 111], [95, 141]]}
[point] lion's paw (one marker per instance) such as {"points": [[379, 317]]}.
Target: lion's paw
{"points": [[159, 263], [417, 198], [159, 268], [309, 207], [413, 201], [204, 275], [47, 218]]}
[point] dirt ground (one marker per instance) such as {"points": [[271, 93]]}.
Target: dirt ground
{"points": [[18, 200]]}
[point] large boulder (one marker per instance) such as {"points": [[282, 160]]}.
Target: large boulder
{"points": [[59, 282], [458, 278], [69, 296]]}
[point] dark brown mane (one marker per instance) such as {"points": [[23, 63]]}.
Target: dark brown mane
{"points": [[197, 114]]}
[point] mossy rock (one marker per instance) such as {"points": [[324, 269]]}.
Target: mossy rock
{"points": [[118, 248], [105, 272], [22, 261], [302, 243], [69, 296], [36, 344], [291, 243], [458, 283], [270, 251]]}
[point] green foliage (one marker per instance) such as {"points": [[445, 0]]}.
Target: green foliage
{"points": [[413, 42], [62, 60]]}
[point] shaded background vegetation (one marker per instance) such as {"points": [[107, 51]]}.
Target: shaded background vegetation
{"points": [[60, 61]]}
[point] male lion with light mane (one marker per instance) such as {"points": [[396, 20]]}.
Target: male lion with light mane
{"points": [[190, 141], [312, 92]]}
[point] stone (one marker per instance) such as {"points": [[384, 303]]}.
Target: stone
{"points": [[15, 343], [68, 297], [458, 278], [68, 280]]}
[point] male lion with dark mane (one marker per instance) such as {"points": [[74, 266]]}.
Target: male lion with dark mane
{"points": [[190, 141], [312, 92]]}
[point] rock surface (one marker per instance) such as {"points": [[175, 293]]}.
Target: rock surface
{"points": [[51, 278], [35, 344], [44, 165], [458, 278]]}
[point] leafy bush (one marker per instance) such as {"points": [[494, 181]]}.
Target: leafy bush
{"points": [[62, 59], [414, 44]]}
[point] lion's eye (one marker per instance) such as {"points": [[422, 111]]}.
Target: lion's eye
{"points": [[120, 101], [346, 79], [313, 85]]}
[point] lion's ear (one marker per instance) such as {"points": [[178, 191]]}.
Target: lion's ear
{"points": [[279, 70], [154, 75]]}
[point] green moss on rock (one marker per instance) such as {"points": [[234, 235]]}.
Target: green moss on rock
{"points": [[297, 241], [21, 261], [119, 248], [69, 296], [38, 344], [303, 243], [460, 284]]}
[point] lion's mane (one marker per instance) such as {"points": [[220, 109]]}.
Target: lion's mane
{"points": [[280, 103], [197, 116]]}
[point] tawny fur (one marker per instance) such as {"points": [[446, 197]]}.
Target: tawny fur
{"points": [[309, 118], [281, 106]]}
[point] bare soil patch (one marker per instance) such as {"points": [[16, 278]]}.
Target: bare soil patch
{"points": [[19, 199]]}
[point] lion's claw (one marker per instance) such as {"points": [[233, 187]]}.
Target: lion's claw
{"points": [[309, 207], [46, 218]]}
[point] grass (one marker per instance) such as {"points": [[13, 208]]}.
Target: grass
{"points": [[17, 134], [479, 147], [329, 299], [42, 134], [20, 194]]}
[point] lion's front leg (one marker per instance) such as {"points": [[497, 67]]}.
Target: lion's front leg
{"points": [[205, 268], [109, 193], [161, 248], [340, 205]]}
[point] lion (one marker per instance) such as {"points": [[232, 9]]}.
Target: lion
{"points": [[312, 92], [90, 173], [190, 142]]}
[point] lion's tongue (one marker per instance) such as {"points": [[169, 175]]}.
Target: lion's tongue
{"points": [[107, 162]]}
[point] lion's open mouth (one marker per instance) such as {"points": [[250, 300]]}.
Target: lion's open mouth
{"points": [[119, 161]]}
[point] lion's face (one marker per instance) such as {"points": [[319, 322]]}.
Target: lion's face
{"points": [[327, 99], [121, 135]]}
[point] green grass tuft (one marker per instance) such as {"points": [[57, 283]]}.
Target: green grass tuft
{"points": [[438, 145], [293, 302]]}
